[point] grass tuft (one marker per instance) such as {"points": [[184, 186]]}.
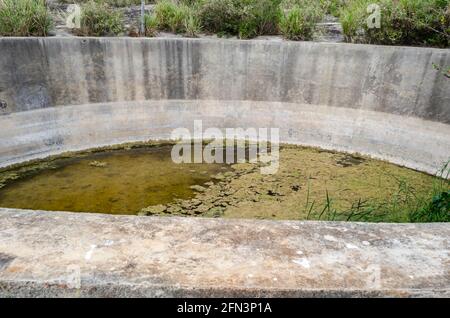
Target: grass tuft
{"points": [[24, 18], [299, 18], [99, 19], [403, 22]]}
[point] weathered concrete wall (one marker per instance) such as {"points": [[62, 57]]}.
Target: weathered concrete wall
{"points": [[68, 254], [387, 102], [37, 73]]}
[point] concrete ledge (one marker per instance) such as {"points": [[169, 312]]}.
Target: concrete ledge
{"points": [[41, 252]]}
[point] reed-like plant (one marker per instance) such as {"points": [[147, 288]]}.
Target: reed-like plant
{"points": [[24, 18]]}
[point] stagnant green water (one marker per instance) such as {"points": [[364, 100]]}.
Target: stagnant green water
{"points": [[310, 184], [116, 182]]}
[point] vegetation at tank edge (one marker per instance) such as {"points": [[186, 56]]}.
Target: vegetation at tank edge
{"points": [[407, 204], [24, 18], [436, 209], [403, 22], [99, 19], [295, 19], [114, 3], [298, 20]]}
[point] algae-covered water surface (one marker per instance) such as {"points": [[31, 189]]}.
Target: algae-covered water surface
{"points": [[310, 184], [119, 181]]}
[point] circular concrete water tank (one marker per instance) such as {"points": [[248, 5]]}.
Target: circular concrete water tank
{"points": [[62, 94]]}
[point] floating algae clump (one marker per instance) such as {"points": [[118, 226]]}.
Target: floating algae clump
{"points": [[98, 164]]}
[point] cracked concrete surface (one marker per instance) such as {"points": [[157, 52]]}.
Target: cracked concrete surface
{"points": [[64, 254]]}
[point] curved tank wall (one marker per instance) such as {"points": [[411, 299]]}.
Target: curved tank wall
{"points": [[60, 94]]}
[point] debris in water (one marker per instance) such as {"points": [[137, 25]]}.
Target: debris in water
{"points": [[98, 164], [157, 209], [198, 188]]}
